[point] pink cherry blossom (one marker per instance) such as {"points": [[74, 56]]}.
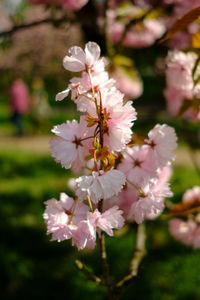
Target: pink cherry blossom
{"points": [[108, 220], [115, 31], [188, 232], [81, 60], [107, 119], [73, 5], [180, 84], [59, 219], [174, 99], [180, 40], [42, 1], [183, 231], [179, 71], [162, 141], [164, 174], [81, 88], [69, 5], [136, 165], [150, 202], [119, 119], [183, 7], [85, 235], [192, 194], [67, 148], [100, 185], [131, 88], [144, 35], [140, 35], [124, 200]]}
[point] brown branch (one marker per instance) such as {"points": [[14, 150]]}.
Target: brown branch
{"points": [[86, 272], [138, 255], [105, 267], [50, 20], [183, 213]]}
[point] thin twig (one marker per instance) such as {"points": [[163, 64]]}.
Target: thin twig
{"points": [[138, 255], [183, 213], [16, 28], [86, 272], [105, 267]]}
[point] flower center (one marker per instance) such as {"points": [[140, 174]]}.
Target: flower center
{"points": [[152, 144], [137, 163], [77, 142]]}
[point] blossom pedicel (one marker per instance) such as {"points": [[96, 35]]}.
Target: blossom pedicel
{"points": [[132, 187]]}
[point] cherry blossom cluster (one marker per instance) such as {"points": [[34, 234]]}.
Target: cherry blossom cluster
{"points": [[147, 169], [182, 92], [129, 83], [187, 229], [121, 180], [142, 34], [161, 17], [69, 5]]}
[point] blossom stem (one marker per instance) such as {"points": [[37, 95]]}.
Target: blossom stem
{"points": [[138, 189], [90, 203], [105, 267], [101, 121], [93, 92], [87, 138], [86, 272], [96, 131], [138, 255], [73, 211], [85, 95]]}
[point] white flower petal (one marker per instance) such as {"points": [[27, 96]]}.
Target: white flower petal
{"points": [[60, 96], [92, 51]]}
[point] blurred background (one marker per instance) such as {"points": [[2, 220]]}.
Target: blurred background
{"points": [[30, 265]]}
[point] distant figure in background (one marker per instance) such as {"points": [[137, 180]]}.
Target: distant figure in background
{"points": [[19, 103]]}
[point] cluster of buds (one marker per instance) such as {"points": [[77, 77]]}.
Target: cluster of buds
{"points": [[183, 89], [186, 228], [122, 180]]}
